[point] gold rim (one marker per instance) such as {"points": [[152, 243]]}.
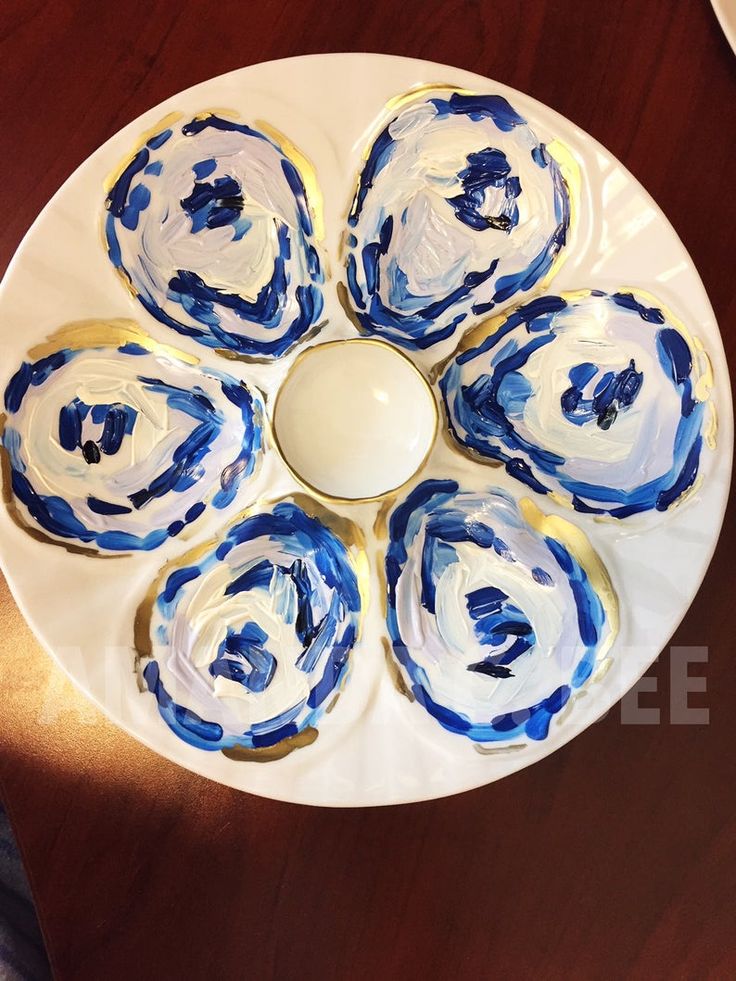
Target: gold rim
{"points": [[335, 498]]}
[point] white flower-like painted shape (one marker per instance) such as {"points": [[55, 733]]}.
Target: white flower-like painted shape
{"points": [[248, 642], [458, 209], [115, 443], [210, 224], [494, 622], [496, 614], [600, 398]]}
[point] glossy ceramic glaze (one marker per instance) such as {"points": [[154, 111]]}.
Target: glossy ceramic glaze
{"points": [[355, 419], [375, 746]]}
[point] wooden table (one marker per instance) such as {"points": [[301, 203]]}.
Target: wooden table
{"points": [[614, 857]]}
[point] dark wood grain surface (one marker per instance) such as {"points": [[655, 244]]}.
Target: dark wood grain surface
{"points": [[615, 857]]}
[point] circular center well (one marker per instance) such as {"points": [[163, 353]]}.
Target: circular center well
{"points": [[354, 419]]}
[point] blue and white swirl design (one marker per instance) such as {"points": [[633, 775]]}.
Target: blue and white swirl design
{"points": [[494, 624], [600, 398], [210, 224], [250, 641], [120, 448], [459, 207]]}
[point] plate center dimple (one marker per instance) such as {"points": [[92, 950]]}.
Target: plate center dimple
{"points": [[354, 419]]}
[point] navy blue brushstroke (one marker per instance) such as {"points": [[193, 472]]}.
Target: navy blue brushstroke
{"points": [[243, 658], [614, 392]]}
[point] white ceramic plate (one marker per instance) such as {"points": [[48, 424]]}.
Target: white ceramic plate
{"points": [[725, 11], [375, 747]]}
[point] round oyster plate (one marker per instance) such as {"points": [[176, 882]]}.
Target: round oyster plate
{"points": [[355, 647]]}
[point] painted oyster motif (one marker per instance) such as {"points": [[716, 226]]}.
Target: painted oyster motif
{"points": [[245, 644], [210, 225], [116, 443], [602, 399], [459, 208], [496, 615]]}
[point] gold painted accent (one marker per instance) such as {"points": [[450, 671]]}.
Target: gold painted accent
{"points": [[412, 94], [702, 390], [342, 295], [704, 384], [267, 754], [324, 495], [124, 278], [306, 170], [577, 544], [344, 528], [566, 711], [231, 355], [710, 430], [141, 629], [599, 674], [336, 696], [380, 524], [224, 113], [466, 451], [563, 502], [394, 671], [105, 333], [691, 491], [166, 123], [497, 750]]}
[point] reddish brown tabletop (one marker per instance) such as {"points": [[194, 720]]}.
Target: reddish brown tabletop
{"points": [[614, 857]]}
